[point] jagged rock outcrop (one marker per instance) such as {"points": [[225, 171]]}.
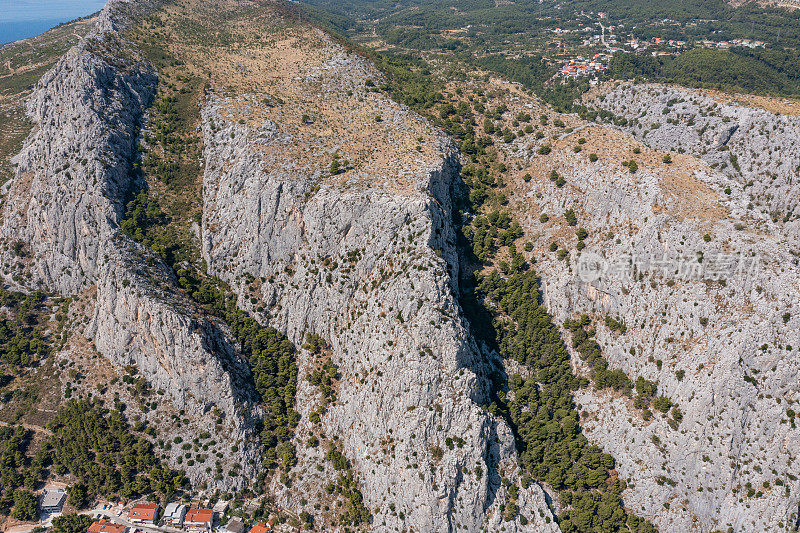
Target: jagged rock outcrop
{"points": [[64, 206], [365, 258], [65, 201], [755, 147], [710, 296]]}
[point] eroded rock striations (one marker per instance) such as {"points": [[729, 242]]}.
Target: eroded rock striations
{"points": [[64, 206], [349, 236]]}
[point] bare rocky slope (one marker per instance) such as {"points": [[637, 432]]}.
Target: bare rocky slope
{"points": [[755, 147], [707, 287], [363, 256]]}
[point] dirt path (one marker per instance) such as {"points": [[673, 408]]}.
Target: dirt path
{"points": [[35, 429]]}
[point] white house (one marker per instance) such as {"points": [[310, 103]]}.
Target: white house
{"points": [[174, 514], [52, 501]]}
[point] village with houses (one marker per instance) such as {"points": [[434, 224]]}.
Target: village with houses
{"points": [[595, 33], [147, 517]]}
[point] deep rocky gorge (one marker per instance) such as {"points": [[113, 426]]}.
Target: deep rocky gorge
{"points": [[364, 258], [328, 211]]}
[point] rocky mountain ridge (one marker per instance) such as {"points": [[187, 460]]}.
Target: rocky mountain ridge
{"points": [[412, 380], [65, 204], [708, 293], [327, 209], [366, 259]]}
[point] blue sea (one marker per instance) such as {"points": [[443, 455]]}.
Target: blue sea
{"points": [[27, 18]]}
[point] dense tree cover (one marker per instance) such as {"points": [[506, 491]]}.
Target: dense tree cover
{"points": [[99, 448], [147, 224], [25, 505], [703, 18], [753, 71], [12, 464], [729, 70], [95, 445], [22, 343], [629, 66], [72, 523], [409, 80], [78, 495], [552, 447], [487, 232], [19, 472]]}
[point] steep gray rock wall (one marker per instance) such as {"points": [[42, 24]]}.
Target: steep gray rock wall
{"points": [[73, 172], [65, 204], [366, 259], [721, 342]]}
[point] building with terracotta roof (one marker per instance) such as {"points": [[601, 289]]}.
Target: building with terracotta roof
{"points": [[144, 513], [199, 519], [103, 526], [260, 527]]}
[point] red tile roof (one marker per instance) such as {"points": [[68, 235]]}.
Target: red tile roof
{"points": [[144, 511], [199, 516], [261, 528], [101, 526]]}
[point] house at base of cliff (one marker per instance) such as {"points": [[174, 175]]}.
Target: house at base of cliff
{"points": [[198, 520], [103, 526], [144, 513]]}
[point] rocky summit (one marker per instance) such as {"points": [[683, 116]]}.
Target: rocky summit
{"points": [[347, 268]]}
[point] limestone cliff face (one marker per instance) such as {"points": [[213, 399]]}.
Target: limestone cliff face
{"points": [[73, 173], [365, 258], [65, 204], [710, 294], [337, 223]]}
